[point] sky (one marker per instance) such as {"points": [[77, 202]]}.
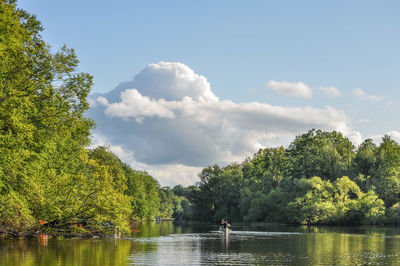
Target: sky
{"points": [[180, 85]]}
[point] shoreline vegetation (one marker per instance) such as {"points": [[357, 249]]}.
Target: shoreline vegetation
{"points": [[51, 183]]}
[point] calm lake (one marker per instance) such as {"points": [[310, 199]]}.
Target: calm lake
{"points": [[169, 244]]}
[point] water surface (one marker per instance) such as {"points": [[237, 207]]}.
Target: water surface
{"points": [[201, 244]]}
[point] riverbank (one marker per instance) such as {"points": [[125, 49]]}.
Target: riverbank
{"points": [[48, 233], [77, 230]]}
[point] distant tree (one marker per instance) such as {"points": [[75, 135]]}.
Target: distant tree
{"points": [[203, 194], [268, 207], [342, 202], [268, 168], [386, 176], [144, 191], [167, 202], [365, 158], [318, 153]]}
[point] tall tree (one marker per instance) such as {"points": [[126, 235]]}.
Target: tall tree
{"points": [[144, 192], [386, 177], [318, 153], [45, 171], [269, 167]]}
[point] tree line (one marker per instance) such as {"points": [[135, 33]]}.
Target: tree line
{"points": [[320, 178], [48, 175]]}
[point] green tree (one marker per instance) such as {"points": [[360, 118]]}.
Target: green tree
{"points": [[115, 165], [227, 190], [385, 180], [268, 168], [365, 158], [43, 98], [268, 207], [167, 202], [342, 202], [318, 153], [144, 192], [45, 170], [202, 195], [394, 214]]}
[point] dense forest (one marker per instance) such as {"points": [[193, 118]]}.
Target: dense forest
{"points": [[320, 178], [50, 179], [48, 175]]}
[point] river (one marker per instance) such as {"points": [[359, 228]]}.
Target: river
{"points": [[202, 244]]}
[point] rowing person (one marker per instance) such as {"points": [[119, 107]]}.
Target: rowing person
{"points": [[225, 225]]}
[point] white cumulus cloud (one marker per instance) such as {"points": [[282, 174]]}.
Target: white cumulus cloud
{"points": [[355, 137], [294, 89], [362, 95], [135, 105], [331, 91], [167, 121], [173, 81], [394, 134]]}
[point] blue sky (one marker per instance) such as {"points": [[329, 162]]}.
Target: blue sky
{"points": [[237, 46]]}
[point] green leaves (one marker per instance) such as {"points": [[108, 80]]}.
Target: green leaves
{"points": [[317, 153], [313, 181], [339, 203], [45, 171], [143, 190], [14, 211], [268, 168]]}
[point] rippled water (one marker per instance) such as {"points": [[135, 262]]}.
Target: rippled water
{"points": [[168, 244], [239, 247]]}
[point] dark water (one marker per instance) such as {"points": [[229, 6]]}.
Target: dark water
{"points": [[169, 244]]}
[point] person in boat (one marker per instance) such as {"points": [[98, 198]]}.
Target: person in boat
{"points": [[224, 224]]}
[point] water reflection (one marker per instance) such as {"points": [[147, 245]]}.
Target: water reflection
{"points": [[65, 252], [274, 245], [224, 241], [201, 244]]}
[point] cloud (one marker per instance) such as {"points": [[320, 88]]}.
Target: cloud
{"points": [[355, 137], [364, 121], [174, 128], [293, 89], [173, 81], [331, 91], [167, 174], [135, 105], [395, 135], [299, 89], [362, 95], [359, 92]]}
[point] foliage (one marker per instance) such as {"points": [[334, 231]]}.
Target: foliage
{"points": [[394, 214], [46, 171], [144, 191], [365, 160], [267, 207], [339, 203], [268, 168], [14, 212], [318, 153], [167, 199], [306, 183]]}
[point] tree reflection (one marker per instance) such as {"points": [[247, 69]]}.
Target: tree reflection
{"points": [[65, 252], [167, 243]]}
